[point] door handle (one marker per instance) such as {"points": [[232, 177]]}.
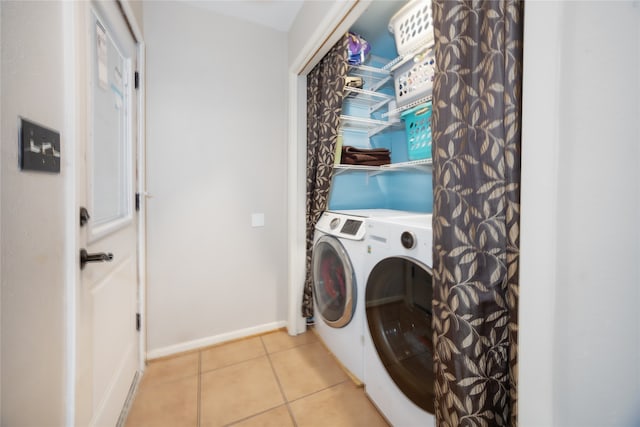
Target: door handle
{"points": [[86, 257]]}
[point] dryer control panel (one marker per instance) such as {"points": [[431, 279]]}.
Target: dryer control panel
{"points": [[341, 225], [351, 226]]}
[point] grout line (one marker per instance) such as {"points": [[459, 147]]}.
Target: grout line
{"points": [[217, 344], [199, 395], [295, 346], [321, 390], [257, 414], [231, 364], [275, 374]]}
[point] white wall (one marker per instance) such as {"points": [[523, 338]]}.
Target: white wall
{"points": [[137, 7], [32, 267], [310, 15], [580, 247], [216, 154], [317, 27]]}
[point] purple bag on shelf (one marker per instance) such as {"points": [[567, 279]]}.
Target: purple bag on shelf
{"points": [[358, 49]]}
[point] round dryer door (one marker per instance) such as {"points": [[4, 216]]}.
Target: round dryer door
{"points": [[334, 284], [398, 306]]}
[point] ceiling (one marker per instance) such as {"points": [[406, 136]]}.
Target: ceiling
{"points": [[276, 14]]}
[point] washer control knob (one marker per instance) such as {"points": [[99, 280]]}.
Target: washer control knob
{"points": [[335, 222], [408, 240]]}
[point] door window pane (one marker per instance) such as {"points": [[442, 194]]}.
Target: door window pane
{"points": [[110, 147]]}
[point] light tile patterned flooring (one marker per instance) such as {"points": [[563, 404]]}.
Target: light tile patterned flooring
{"points": [[269, 380]]}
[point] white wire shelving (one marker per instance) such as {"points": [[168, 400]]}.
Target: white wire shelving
{"points": [[425, 164], [370, 126], [374, 78]]}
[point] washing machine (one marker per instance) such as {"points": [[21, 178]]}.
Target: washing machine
{"points": [[338, 282], [398, 346]]}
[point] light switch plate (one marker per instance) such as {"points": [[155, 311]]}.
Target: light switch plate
{"points": [[39, 148]]}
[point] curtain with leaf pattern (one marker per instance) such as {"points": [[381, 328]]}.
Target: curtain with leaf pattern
{"points": [[476, 179], [325, 92]]}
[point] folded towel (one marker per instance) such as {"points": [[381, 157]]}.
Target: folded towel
{"points": [[357, 158], [366, 162], [365, 156], [349, 149]]}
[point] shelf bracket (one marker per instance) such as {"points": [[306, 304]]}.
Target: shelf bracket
{"points": [[379, 105], [380, 83]]}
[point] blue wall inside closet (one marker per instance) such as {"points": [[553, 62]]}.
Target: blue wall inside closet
{"points": [[411, 189]]}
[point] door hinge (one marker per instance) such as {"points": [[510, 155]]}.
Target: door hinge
{"points": [[138, 322], [137, 201], [136, 80]]}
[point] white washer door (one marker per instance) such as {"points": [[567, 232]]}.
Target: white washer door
{"points": [[334, 283], [398, 307]]}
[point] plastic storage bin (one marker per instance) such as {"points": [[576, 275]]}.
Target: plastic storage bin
{"points": [[412, 26], [414, 78], [417, 122]]}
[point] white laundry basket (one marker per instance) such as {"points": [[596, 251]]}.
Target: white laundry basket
{"points": [[413, 79], [412, 26]]}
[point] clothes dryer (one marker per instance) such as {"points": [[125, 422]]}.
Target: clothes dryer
{"points": [[398, 349], [338, 282]]}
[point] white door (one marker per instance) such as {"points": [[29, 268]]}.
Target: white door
{"points": [[108, 299]]}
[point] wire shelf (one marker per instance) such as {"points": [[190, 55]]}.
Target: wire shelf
{"points": [[374, 170]]}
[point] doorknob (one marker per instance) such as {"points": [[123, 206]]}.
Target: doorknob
{"points": [[86, 257]]}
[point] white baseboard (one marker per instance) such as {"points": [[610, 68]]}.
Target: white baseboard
{"points": [[216, 339]]}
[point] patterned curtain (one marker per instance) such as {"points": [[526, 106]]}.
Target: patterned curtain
{"points": [[325, 92], [476, 179]]}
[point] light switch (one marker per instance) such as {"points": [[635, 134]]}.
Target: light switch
{"points": [[257, 220], [39, 147]]}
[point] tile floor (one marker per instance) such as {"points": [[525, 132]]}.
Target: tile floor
{"points": [[269, 380]]}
